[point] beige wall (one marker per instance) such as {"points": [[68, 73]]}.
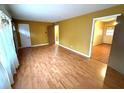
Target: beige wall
{"points": [[98, 33], [108, 39], [75, 33], [38, 31]]}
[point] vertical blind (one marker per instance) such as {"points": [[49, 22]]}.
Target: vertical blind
{"points": [[8, 57]]}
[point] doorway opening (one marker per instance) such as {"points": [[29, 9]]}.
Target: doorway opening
{"points": [[102, 36], [56, 29], [24, 31]]}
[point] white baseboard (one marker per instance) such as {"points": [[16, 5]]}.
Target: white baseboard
{"points": [[35, 45], [75, 51], [63, 47], [40, 45]]}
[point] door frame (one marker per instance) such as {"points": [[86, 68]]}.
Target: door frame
{"points": [[93, 27], [29, 35]]}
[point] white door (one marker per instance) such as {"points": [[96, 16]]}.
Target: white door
{"points": [[24, 35]]}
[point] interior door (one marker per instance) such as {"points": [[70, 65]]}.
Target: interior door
{"points": [[24, 35], [51, 35], [116, 60]]}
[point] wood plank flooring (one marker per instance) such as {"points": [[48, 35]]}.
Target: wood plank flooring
{"points": [[56, 67], [101, 52]]}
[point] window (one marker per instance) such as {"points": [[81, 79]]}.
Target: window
{"points": [[110, 31]]}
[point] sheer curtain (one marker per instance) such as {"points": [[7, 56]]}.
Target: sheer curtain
{"points": [[4, 80], [8, 57]]}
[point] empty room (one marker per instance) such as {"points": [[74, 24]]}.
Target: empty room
{"points": [[103, 37], [61, 46]]}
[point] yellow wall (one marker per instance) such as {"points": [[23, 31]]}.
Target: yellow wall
{"points": [[98, 33], [108, 39], [75, 33], [38, 31]]}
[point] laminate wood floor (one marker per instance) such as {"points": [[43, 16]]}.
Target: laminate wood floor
{"points": [[101, 52], [56, 67]]}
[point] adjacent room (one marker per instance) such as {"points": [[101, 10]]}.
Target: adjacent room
{"points": [[103, 36], [61, 46]]}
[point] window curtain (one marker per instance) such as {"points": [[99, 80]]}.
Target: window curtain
{"points": [[4, 79], [8, 57]]}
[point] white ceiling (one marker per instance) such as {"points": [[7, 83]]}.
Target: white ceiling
{"points": [[53, 12]]}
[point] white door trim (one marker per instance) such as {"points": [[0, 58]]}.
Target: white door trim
{"points": [[93, 26]]}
